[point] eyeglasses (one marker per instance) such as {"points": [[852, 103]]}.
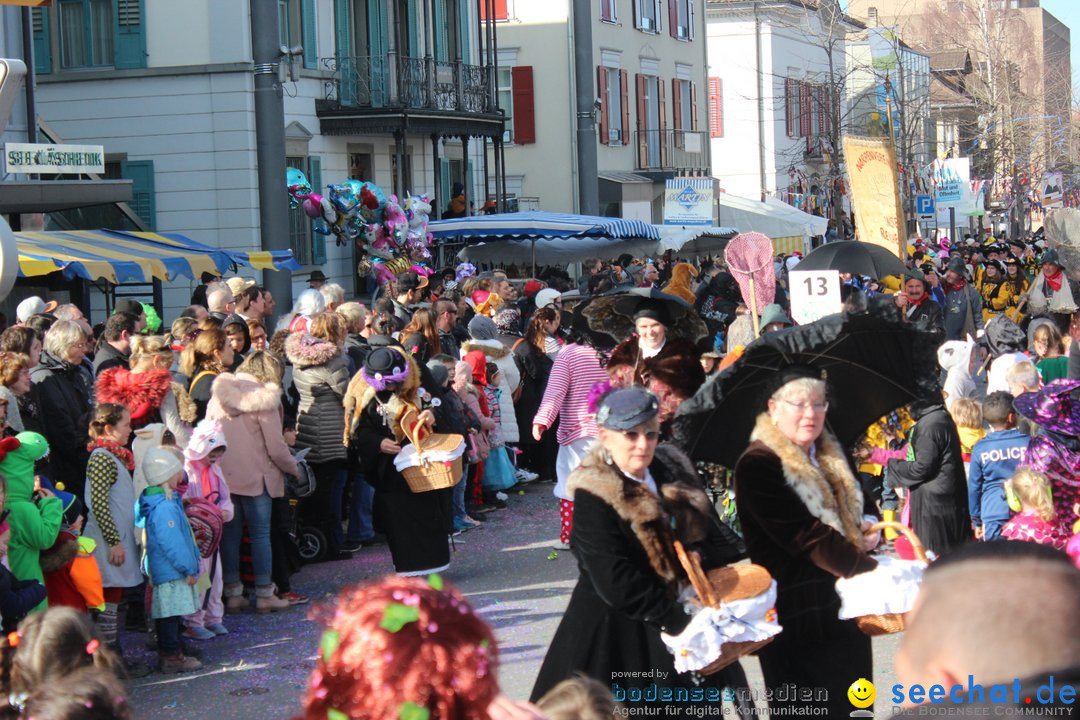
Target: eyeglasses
{"points": [[818, 407], [634, 435]]}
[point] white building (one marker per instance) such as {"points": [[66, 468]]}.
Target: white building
{"points": [[650, 82], [779, 103], [388, 91]]}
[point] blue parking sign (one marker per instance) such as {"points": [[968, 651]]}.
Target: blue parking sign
{"points": [[924, 204]]}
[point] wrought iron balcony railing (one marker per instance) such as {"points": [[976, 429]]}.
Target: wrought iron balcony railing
{"points": [[399, 82], [671, 149]]}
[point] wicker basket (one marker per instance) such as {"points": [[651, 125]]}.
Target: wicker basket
{"points": [[430, 475], [726, 584], [889, 623]]}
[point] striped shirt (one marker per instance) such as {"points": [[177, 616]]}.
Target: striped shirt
{"points": [[576, 369]]}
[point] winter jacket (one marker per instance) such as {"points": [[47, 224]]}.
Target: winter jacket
{"points": [[34, 525], [963, 312], [994, 459], [320, 376], [151, 397], [106, 357], [72, 577], [62, 393], [356, 349], [171, 553], [18, 598], [509, 378], [250, 417]]}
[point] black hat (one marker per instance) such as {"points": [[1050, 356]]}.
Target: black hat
{"points": [[409, 280], [316, 276], [1017, 243], [627, 408], [928, 268], [1012, 260], [789, 373], [1050, 256], [653, 310], [996, 264], [957, 266], [914, 274], [625, 260], [129, 306]]}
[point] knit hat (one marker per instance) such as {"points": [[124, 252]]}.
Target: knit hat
{"points": [[482, 327], [508, 320], [438, 371], [532, 287], [546, 297], [207, 436], [160, 465]]}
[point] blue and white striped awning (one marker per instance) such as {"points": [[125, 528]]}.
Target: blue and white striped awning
{"points": [[539, 224]]}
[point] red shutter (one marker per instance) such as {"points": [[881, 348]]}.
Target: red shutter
{"points": [[693, 106], [673, 18], [624, 103], [500, 9], [716, 107], [789, 106], [804, 109], [642, 125], [676, 104], [605, 104], [661, 111], [605, 11], [521, 85]]}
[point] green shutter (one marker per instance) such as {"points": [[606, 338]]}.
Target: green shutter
{"points": [[307, 25], [343, 53], [442, 41], [130, 34], [318, 242], [141, 174], [463, 31], [444, 175], [39, 19], [378, 47]]}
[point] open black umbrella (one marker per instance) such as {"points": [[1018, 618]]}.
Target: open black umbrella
{"points": [[874, 364], [852, 256], [608, 319]]}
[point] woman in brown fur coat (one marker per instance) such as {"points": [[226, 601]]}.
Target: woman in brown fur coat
{"points": [[804, 518], [629, 494]]}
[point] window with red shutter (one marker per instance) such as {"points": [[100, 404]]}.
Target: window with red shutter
{"points": [[642, 121], [605, 103], [661, 106], [521, 79], [804, 109], [791, 106], [716, 108], [500, 9], [624, 103], [693, 106], [608, 11]]}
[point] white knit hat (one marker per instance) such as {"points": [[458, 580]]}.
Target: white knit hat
{"points": [[160, 465], [546, 297]]}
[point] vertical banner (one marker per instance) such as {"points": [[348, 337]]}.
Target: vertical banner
{"points": [[1050, 194], [875, 192]]}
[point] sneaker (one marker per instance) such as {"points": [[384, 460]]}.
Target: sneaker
{"points": [[494, 501], [179, 663], [198, 633], [460, 526], [217, 629], [478, 519], [560, 545], [475, 510], [469, 523], [502, 496], [294, 598], [526, 476], [351, 546]]}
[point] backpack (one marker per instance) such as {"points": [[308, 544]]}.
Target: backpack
{"points": [[207, 524], [302, 484]]}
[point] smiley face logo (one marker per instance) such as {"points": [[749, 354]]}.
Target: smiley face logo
{"points": [[861, 694]]}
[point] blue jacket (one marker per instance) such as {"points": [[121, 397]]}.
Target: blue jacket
{"points": [[170, 552], [994, 459]]}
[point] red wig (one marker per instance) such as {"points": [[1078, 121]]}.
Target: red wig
{"points": [[400, 644]]}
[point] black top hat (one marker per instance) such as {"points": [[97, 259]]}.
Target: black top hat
{"points": [[316, 276]]}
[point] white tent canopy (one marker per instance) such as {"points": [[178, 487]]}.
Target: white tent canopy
{"points": [[773, 218]]}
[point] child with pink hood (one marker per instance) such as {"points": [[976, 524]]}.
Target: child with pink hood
{"points": [[202, 463]]}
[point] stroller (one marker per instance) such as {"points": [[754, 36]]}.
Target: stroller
{"points": [[310, 541]]}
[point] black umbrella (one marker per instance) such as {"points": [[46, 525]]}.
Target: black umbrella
{"points": [[874, 364], [851, 256], [608, 319]]}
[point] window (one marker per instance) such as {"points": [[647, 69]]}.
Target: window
{"points": [[791, 106], [681, 19], [647, 15], [86, 33], [716, 107], [871, 16], [506, 101], [308, 247], [609, 11], [651, 122], [683, 108], [614, 111]]}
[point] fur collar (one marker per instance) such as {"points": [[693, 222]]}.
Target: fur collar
{"points": [[305, 350], [243, 393], [492, 348], [60, 554], [359, 394], [829, 490], [185, 406], [649, 516]]}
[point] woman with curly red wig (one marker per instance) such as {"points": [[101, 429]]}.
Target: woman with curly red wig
{"points": [[403, 648]]}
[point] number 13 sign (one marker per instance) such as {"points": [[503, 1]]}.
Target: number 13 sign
{"points": [[814, 294]]}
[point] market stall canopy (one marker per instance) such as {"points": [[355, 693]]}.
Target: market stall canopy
{"points": [[786, 226], [122, 256], [691, 240]]}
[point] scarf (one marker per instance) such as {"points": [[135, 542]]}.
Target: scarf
{"points": [[957, 286], [205, 477], [119, 452], [918, 302], [1053, 281]]}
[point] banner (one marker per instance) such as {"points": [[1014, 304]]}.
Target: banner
{"points": [[688, 201], [875, 192], [952, 181], [1050, 194]]}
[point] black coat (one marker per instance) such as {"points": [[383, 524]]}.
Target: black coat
{"points": [[927, 315], [935, 479], [62, 395], [17, 598], [108, 357], [627, 587], [535, 367]]}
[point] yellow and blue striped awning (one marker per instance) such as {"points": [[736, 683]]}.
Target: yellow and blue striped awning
{"points": [[121, 256]]}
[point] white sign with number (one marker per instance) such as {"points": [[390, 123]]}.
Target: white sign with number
{"points": [[814, 294]]}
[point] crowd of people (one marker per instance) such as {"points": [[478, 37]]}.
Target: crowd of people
{"points": [[143, 468]]}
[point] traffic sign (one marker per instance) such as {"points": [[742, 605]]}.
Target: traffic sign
{"points": [[924, 204]]}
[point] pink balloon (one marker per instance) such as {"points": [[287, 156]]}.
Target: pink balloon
{"points": [[312, 207]]}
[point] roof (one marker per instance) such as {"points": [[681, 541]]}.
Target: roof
{"points": [[623, 177], [946, 94], [955, 60], [121, 256], [802, 4]]}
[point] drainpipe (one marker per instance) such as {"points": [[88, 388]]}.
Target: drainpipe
{"points": [[760, 102]]}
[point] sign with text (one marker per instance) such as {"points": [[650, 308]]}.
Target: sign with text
{"points": [[952, 181], [37, 158], [924, 205], [875, 192], [1050, 190], [814, 294], [688, 201]]}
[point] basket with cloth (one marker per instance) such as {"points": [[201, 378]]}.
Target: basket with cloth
{"points": [[879, 600], [432, 461]]}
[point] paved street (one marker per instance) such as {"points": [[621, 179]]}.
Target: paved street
{"points": [[259, 671]]}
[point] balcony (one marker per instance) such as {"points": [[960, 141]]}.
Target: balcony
{"points": [[671, 150], [390, 93]]}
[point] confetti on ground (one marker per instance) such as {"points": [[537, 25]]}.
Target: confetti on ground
{"points": [[552, 555]]}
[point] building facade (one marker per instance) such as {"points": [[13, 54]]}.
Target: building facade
{"points": [[651, 107], [392, 92]]}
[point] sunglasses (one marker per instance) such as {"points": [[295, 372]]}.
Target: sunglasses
{"points": [[634, 435]]}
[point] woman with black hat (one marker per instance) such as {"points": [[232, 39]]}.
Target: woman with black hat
{"points": [[1017, 285], [632, 499], [650, 340], [417, 525], [805, 519], [994, 291]]}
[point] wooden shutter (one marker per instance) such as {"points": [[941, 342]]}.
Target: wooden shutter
{"points": [[642, 122], [676, 104], [693, 106], [661, 111], [624, 103], [789, 106], [130, 34], [605, 103], [716, 107], [521, 84], [39, 22], [673, 20], [141, 175], [500, 10], [804, 109], [318, 242], [309, 34]]}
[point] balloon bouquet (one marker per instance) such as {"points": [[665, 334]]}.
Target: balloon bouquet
{"points": [[392, 235]]}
